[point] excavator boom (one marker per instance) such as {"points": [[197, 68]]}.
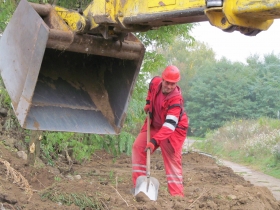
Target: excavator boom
{"points": [[75, 71]]}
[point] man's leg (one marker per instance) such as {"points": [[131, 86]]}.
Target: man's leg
{"points": [[173, 168], [139, 157]]}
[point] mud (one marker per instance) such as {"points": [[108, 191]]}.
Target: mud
{"points": [[106, 180]]}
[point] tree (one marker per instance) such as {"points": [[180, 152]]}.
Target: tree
{"points": [[217, 95], [266, 85], [222, 91], [189, 57]]}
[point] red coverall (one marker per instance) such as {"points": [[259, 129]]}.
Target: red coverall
{"points": [[169, 137]]}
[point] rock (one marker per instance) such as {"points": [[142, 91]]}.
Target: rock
{"points": [[104, 182], [77, 177], [3, 112], [10, 142], [22, 154], [201, 205], [232, 197], [243, 200], [251, 198], [8, 198], [70, 177], [20, 145], [53, 170]]}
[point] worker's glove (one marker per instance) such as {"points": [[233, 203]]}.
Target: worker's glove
{"points": [[146, 108], [151, 145]]}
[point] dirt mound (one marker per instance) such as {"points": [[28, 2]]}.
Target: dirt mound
{"points": [[104, 182]]}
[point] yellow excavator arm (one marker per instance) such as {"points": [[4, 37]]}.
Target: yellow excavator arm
{"points": [[75, 71], [118, 16]]}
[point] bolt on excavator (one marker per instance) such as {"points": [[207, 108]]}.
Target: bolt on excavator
{"points": [[75, 71]]}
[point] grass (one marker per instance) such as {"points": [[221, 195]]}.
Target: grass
{"points": [[81, 200], [255, 143], [197, 138]]}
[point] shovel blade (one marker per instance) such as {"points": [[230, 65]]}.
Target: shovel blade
{"points": [[153, 185]]}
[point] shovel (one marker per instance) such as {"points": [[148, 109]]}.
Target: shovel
{"points": [[147, 184]]}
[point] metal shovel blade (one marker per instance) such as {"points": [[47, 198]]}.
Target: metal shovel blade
{"points": [[149, 186]]}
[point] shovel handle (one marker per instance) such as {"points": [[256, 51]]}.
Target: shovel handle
{"points": [[148, 164]]}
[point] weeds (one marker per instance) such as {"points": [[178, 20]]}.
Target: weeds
{"points": [[5, 100], [248, 142], [17, 178], [57, 178], [82, 146], [81, 200]]}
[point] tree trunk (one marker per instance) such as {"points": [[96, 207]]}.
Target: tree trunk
{"points": [[34, 146]]}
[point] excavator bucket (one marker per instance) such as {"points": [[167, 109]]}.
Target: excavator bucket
{"points": [[60, 81]]}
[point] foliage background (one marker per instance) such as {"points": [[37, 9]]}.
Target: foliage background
{"points": [[255, 143]]}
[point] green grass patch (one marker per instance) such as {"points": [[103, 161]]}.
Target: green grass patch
{"points": [[80, 200], [254, 143], [233, 155], [196, 138]]}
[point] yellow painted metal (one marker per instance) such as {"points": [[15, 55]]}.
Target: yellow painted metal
{"points": [[118, 16], [57, 22], [100, 11], [110, 10], [74, 20], [217, 18], [157, 3], [95, 8], [87, 13], [138, 7], [252, 13], [262, 10]]}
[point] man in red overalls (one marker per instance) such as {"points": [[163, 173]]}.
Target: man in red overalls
{"points": [[169, 124]]}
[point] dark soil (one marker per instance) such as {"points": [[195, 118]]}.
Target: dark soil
{"points": [[105, 183]]}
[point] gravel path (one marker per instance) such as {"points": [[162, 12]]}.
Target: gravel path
{"points": [[255, 177]]}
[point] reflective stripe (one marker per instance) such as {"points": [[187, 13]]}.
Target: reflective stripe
{"points": [[139, 171], [171, 122], [172, 117], [177, 182], [136, 168], [171, 178], [138, 165], [179, 177], [171, 127]]}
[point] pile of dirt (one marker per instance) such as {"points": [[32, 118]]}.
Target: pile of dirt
{"points": [[104, 182]]}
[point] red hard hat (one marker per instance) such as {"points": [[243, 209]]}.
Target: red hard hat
{"points": [[171, 74]]}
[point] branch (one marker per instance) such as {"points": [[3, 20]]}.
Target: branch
{"points": [[120, 195], [204, 191]]}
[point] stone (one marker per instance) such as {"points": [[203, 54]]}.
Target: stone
{"points": [[22, 154]]}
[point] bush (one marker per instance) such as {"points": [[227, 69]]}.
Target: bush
{"points": [[254, 142]]}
